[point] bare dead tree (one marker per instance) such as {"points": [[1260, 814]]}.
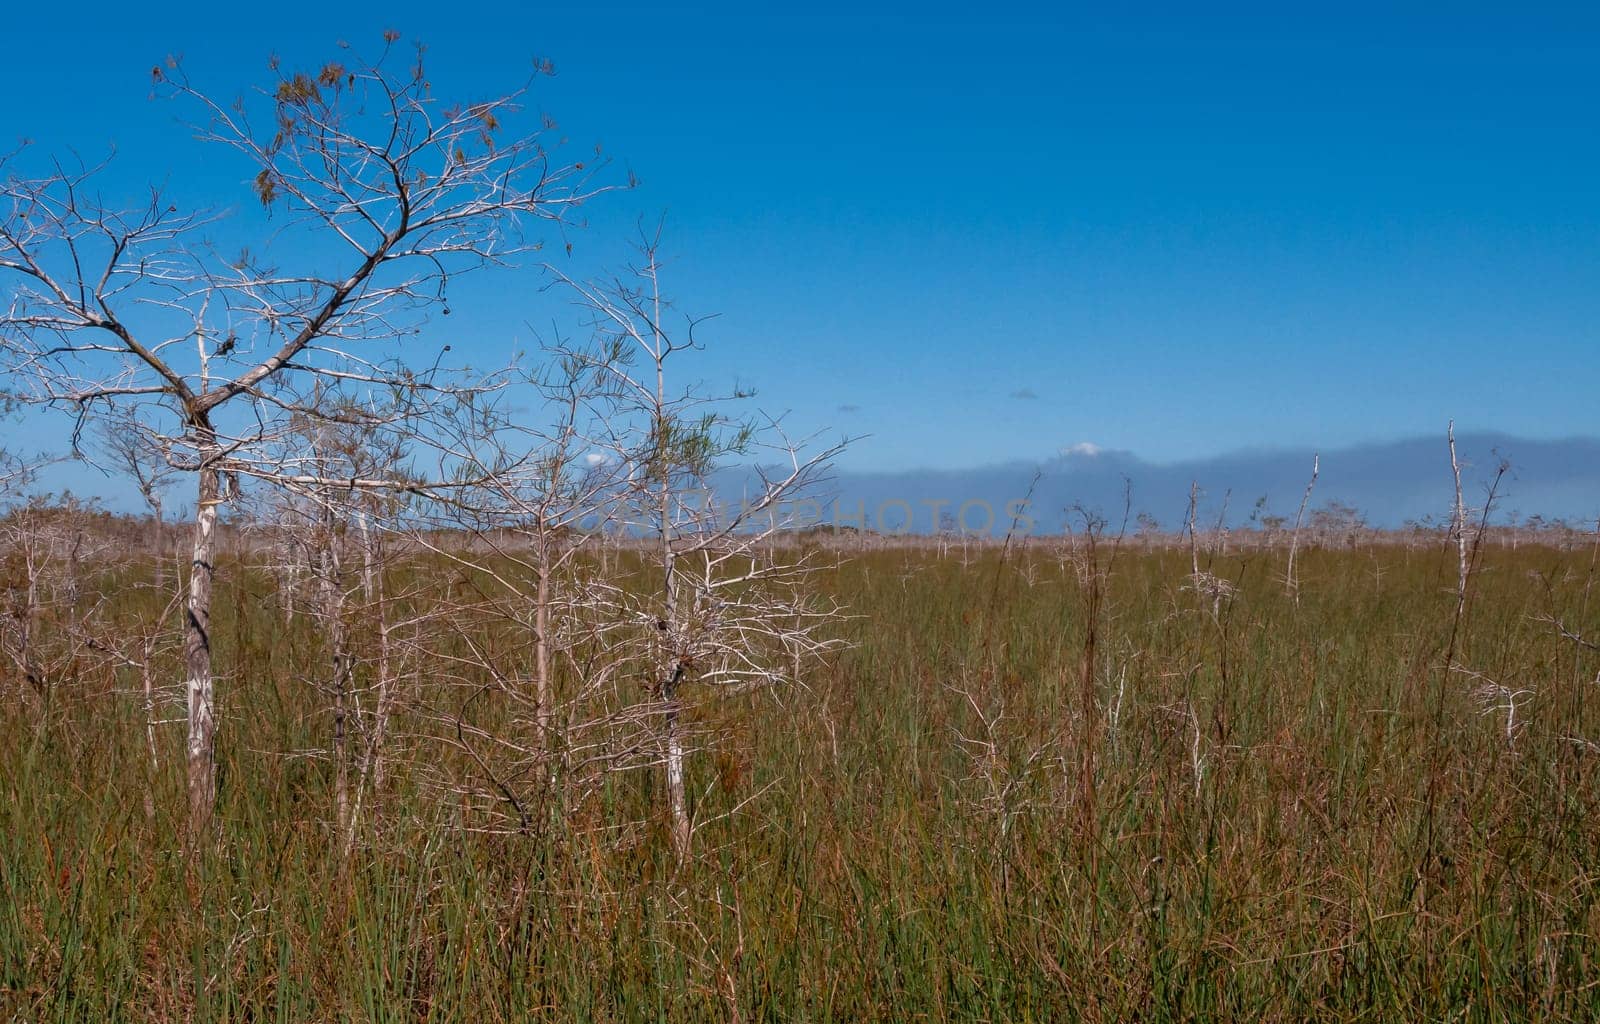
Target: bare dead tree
{"points": [[1221, 546], [1469, 540], [1458, 517], [51, 631], [601, 538], [554, 487], [47, 546], [731, 608], [1291, 582], [31, 551], [1194, 538], [1203, 581], [383, 196], [339, 528], [522, 534]]}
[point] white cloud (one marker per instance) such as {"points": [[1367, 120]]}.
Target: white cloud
{"points": [[1088, 449], [597, 458]]}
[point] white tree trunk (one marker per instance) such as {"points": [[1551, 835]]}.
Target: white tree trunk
{"points": [[331, 598], [1458, 517], [672, 676], [201, 746], [541, 642], [1291, 582], [676, 793], [371, 774]]}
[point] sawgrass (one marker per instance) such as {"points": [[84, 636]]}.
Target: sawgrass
{"points": [[1261, 809]]}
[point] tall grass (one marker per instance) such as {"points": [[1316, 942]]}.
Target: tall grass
{"points": [[1258, 810]]}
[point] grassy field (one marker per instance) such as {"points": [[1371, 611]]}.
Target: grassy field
{"points": [[1036, 788]]}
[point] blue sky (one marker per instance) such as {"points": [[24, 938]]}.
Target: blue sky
{"points": [[1184, 231]]}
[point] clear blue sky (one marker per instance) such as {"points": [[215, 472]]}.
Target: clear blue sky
{"points": [[1185, 230]]}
